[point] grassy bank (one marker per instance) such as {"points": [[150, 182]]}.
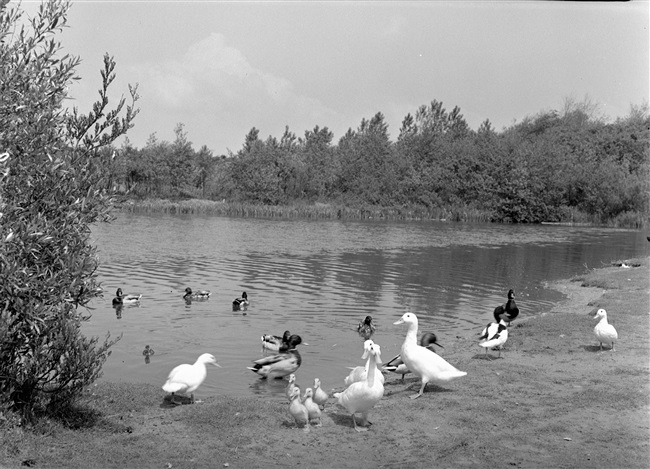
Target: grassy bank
{"points": [[342, 211], [552, 400], [317, 210]]}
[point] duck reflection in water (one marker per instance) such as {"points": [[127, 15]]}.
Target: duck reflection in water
{"points": [[147, 352], [118, 310]]}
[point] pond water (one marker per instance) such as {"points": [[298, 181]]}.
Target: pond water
{"points": [[318, 279]]}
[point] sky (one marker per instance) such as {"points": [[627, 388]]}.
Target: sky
{"points": [[221, 68]]}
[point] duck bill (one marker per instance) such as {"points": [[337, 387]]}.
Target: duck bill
{"points": [[400, 321], [217, 365]]}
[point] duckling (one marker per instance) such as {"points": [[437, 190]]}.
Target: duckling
{"points": [[298, 411], [199, 295], [494, 336], [362, 396], [240, 303], [313, 410], [122, 299], [292, 384], [366, 328], [604, 331], [429, 366], [280, 365], [508, 311], [275, 342], [187, 378], [320, 396], [148, 351], [396, 365]]}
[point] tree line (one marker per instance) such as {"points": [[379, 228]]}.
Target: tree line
{"points": [[557, 165]]}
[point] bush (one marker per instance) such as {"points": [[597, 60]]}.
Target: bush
{"points": [[52, 189]]}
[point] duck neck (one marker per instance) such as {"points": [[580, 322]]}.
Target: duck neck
{"points": [[372, 366], [411, 335]]}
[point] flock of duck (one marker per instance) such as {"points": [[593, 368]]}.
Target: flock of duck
{"points": [[364, 384]]}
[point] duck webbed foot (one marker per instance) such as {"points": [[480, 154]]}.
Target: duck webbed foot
{"points": [[415, 396], [358, 427]]}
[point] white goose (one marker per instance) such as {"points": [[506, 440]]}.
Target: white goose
{"points": [[363, 395], [604, 331], [422, 361], [494, 336], [186, 378]]}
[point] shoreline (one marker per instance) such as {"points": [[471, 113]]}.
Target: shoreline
{"points": [[553, 399]]}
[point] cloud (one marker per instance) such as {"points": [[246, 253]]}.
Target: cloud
{"points": [[395, 27], [215, 81]]}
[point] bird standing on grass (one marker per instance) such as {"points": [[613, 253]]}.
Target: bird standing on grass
{"points": [[362, 396], [494, 336], [396, 365], [298, 410], [508, 311], [426, 364], [313, 409], [320, 396], [604, 331], [187, 378]]}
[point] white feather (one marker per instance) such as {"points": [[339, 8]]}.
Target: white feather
{"points": [[604, 332], [428, 365]]}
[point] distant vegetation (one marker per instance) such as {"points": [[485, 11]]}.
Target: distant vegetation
{"points": [[557, 166]]}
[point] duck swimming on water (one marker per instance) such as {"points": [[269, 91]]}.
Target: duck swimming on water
{"points": [[198, 295], [366, 328], [275, 342], [122, 299], [240, 303], [280, 365]]}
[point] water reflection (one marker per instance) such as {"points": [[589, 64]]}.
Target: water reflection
{"points": [[319, 279]]}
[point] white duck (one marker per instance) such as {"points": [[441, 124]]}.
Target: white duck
{"points": [[494, 336], [320, 396], [604, 331], [429, 366], [396, 365], [186, 378], [298, 411], [360, 373], [312, 408], [363, 395]]}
